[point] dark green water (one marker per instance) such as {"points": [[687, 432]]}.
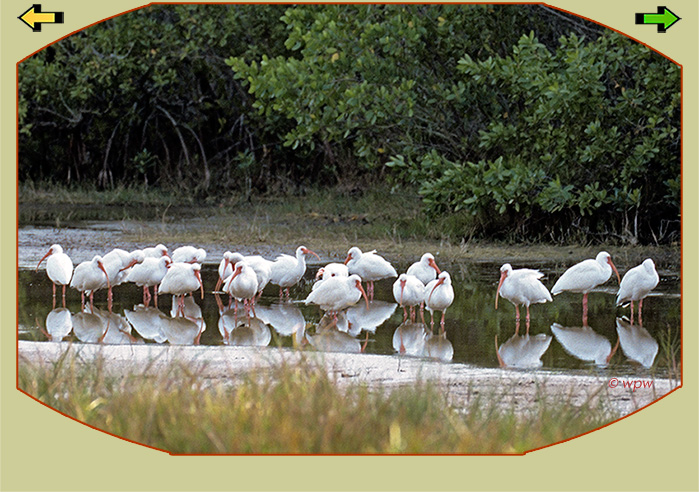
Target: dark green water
{"points": [[472, 323]]}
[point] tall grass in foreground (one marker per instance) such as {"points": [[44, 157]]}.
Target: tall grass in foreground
{"points": [[295, 408]]}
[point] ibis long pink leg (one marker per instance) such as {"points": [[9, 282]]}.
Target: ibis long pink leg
{"points": [[64, 296], [640, 307], [54, 295], [631, 312], [585, 309]]}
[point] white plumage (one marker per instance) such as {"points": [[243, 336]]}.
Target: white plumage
{"points": [[287, 270], [521, 286], [181, 279], [408, 291], [59, 269], [586, 275], [637, 284], [337, 293], [439, 294], [149, 273], [369, 266], [89, 276], [188, 254], [426, 270]]}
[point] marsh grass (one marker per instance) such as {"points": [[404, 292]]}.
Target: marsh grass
{"points": [[297, 408]]}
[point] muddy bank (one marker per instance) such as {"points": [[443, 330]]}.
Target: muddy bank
{"points": [[511, 389], [98, 238]]}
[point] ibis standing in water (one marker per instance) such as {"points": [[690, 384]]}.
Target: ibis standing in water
{"points": [[59, 269], [88, 277], [181, 279], [338, 293], [286, 270], [439, 294], [521, 286], [150, 272], [585, 276], [369, 266], [408, 291], [637, 284]]}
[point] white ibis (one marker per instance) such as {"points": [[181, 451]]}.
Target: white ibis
{"points": [[88, 277], [261, 266], [521, 286], [225, 269], [328, 271], [585, 276], [439, 294], [338, 293], [426, 269], [369, 266], [188, 254], [242, 285], [149, 273], [287, 270], [155, 251], [59, 269], [117, 264], [181, 279], [637, 284], [408, 291]]}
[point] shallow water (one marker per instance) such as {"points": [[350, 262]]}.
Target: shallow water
{"points": [[556, 340]]}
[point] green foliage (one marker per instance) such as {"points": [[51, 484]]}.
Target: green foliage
{"points": [[587, 135], [534, 123]]}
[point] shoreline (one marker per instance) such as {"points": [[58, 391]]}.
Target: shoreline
{"points": [[517, 389]]}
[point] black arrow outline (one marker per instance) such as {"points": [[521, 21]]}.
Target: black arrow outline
{"points": [[57, 17], [661, 11]]}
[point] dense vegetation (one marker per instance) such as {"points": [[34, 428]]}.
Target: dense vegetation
{"points": [[521, 121]]}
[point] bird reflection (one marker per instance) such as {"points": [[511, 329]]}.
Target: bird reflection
{"points": [[636, 343], [101, 326], [285, 318], [59, 324], [190, 308], [523, 351], [361, 317], [583, 343], [146, 322], [251, 334], [409, 339], [182, 330], [329, 337], [438, 347]]}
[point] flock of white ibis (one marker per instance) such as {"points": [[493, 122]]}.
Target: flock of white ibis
{"points": [[338, 285]]}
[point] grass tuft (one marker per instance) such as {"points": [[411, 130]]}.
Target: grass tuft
{"points": [[297, 408]]}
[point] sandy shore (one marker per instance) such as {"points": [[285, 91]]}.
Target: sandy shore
{"points": [[516, 389]]}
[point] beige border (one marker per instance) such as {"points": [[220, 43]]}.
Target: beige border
{"points": [[655, 449]]}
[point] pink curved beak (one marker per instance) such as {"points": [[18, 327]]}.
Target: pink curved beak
{"points": [[101, 265], [402, 287], [503, 276], [309, 252], [201, 284], [349, 257], [45, 256], [439, 282], [433, 264], [366, 299], [609, 260], [133, 262]]}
